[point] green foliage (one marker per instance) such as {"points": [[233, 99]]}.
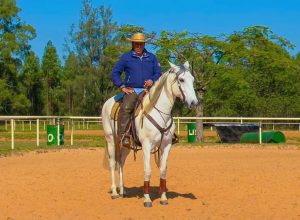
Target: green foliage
{"points": [[32, 85], [52, 76], [5, 98], [14, 38], [247, 73], [92, 43]]}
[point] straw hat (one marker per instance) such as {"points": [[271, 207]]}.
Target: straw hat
{"points": [[137, 37]]}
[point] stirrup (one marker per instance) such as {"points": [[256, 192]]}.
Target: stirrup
{"points": [[125, 141]]}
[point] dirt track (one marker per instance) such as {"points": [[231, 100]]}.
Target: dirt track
{"points": [[203, 183]]}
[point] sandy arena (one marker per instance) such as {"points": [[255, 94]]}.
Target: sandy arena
{"points": [[204, 183]]}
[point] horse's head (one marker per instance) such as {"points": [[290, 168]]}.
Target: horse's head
{"points": [[184, 88]]}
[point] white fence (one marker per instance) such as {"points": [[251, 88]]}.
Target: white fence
{"points": [[85, 121]]}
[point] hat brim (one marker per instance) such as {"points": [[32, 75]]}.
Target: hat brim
{"points": [[139, 41]]}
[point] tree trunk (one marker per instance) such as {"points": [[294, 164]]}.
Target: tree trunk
{"points": [[199, 113]]}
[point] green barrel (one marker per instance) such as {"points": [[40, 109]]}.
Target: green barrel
{"points": [[267, 137], [192, 137], [52, 135]]}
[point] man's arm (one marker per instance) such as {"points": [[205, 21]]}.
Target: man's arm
{"points": [[156, 70], [117, 72]]}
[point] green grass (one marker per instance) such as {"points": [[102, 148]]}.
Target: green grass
{"points": [[25, 141]]}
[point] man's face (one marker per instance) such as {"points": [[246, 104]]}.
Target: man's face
{"points": [[138, 47]]}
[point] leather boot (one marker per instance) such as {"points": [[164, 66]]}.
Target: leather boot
{"points": [[126, 109]]}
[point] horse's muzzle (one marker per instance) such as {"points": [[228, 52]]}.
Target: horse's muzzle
{"points": [[193, 103]]}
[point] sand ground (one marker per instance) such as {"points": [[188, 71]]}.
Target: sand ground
{"points": [[204, 183]]}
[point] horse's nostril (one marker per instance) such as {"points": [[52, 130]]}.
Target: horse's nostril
{"points": [[194, 103]]}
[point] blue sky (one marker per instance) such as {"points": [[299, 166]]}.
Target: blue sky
{"points": [[52, 18]]}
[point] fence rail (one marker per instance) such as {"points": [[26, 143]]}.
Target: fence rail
{"points": [[84, 122]]}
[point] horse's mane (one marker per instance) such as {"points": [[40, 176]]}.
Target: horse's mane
{"points": [[151, 98]]}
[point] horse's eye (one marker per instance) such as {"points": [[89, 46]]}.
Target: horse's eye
{"points": [[181, 80]]}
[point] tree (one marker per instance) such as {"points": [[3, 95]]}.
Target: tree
{"points": [[204, 54], [31, 80], [71, 78], [269, 70], [52, 75], [245, 72], [91, 43], [14, 38]]}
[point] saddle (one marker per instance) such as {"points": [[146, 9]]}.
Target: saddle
{"points": [[135, 144]]}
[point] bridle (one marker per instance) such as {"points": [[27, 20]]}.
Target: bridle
{"points": [[181, 70]]}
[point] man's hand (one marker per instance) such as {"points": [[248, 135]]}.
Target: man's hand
{"points": [[127, 90], [148, 83]]}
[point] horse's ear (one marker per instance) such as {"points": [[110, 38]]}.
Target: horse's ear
{"points": [[172, 65], [186, 65], [174, 68]]}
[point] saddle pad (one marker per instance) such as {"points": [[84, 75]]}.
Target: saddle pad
{"points": [[137, 110], [115, 111]]}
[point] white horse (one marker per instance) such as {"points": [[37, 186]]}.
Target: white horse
{"points": [[157, 106]]}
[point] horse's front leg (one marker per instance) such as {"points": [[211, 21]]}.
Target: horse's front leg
{"points": [[124, 153], [147, 174], [163, 174]]}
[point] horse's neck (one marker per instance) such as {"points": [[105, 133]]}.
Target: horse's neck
{"points": [[165, 101]]}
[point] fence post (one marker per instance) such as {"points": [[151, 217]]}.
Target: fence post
{"points": [[58, 140], [72, 131], [178, 123], [37, 132], [12, 133], [260, 133]]}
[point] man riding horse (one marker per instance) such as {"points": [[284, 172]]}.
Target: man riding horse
{"points": [[142, 69]]}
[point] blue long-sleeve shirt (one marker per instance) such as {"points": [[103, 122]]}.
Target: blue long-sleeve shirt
{"points": [[137, 69]]}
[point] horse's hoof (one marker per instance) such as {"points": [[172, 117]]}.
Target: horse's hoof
{"points": [[148, 204], [123, 195], [115, 196], [164, 202]]}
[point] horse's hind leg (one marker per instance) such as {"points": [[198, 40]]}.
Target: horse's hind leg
{"points": [[163, 175], [112, 166], [124, 153]]}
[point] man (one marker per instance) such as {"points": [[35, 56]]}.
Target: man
{"points": [[141, 71]]}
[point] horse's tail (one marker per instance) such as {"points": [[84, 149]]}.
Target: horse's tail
{"points": [[105, 162]]}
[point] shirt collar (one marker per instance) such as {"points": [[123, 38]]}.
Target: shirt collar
{"points": [[145, 54]]}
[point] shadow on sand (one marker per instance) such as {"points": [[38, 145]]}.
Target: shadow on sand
{"points": [[138, 192]]}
